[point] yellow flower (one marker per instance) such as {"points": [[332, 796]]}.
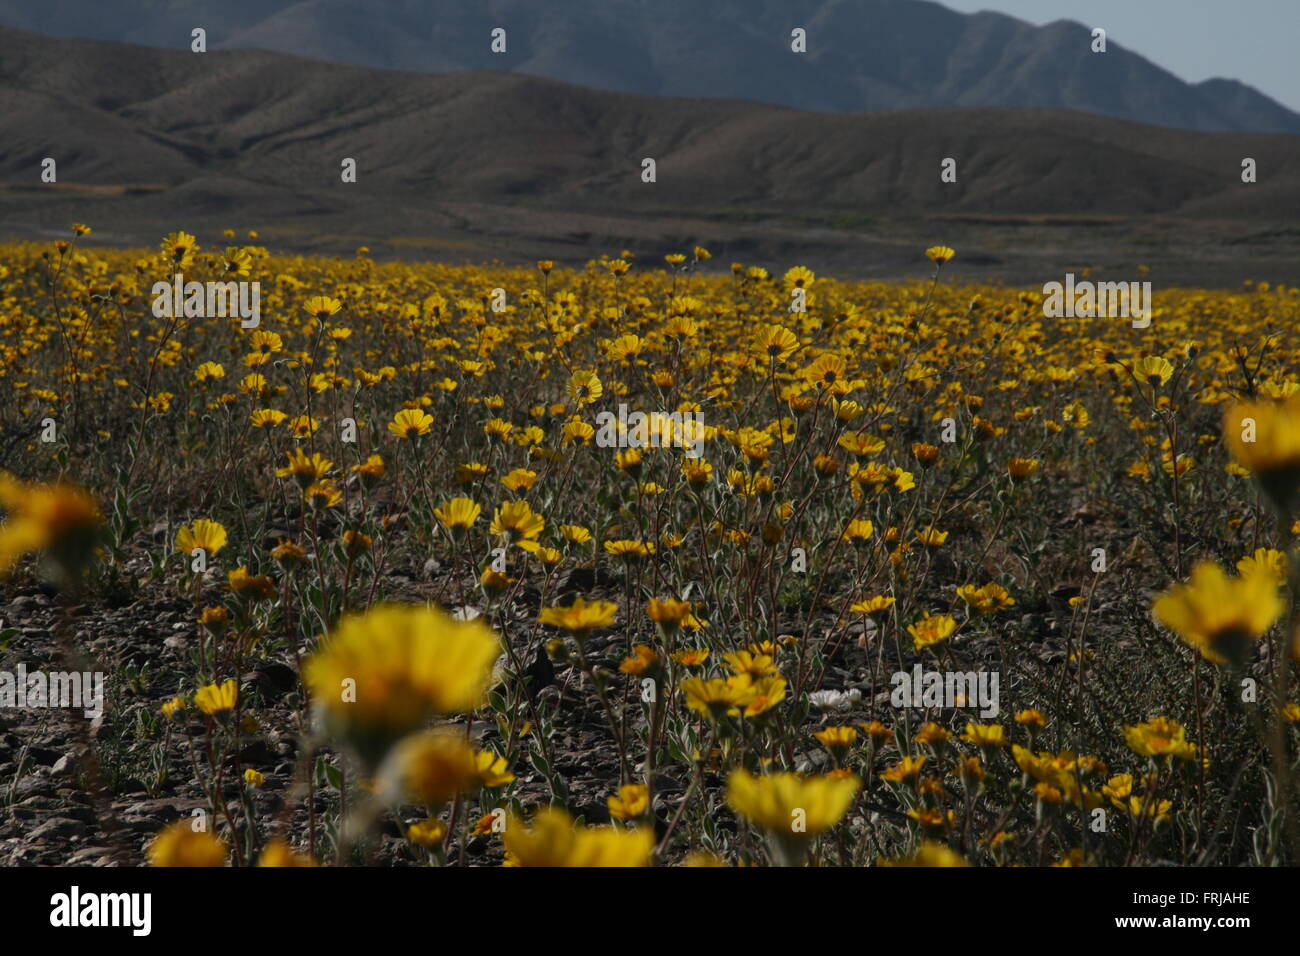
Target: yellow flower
{"points": [[266, 418], [691, 656], [745, 662], [305, 469], [278, 853], [254, 778], [289, 555], [837, 739], [715, 697], [458, 514], [370, 470], [668, 612], [776, 343], [906, 770], [931, 630], [985, 735], [585, 387], [642, 660], [59, 520], [521, 479], [799, 278], [1030, 718], [1160, 737], [934, 735], [1153, 370], [861, 446], [580, 617], [873, 605], [932, 538], [928, 854], [1075, 414], [1270, 561], [1119, 788], [1265, 437], [939, 254], [1021, 468], [252, 586], [858, 531], [410, 423], [1218, 615], [516, 519], [303, 426], [576, 534], [355, 543], [553, 840], [430, 768], [179, 248], [429, 832], [791, 808], [493, 771], [321, 307], [178, 844], [629, 550], [383, 674], [208, 372], [987, 599], [214, 700], [322, 494], [632, 802], [205, 534], [1146, 808], [767, 692]]}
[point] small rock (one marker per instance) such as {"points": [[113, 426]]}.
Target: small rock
{"points": [[65, 766], [59, 828]]}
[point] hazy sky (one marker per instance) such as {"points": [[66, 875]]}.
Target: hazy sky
{"points": [[1254, 41]]}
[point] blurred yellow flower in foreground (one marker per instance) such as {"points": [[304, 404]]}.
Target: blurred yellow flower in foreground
{"points": [[1221, 616], [928, 854], [791, 804], [179, 845], [553, 840], [430, 768], [278, 853], [1265, 437], [60, 520], [383, 674]]}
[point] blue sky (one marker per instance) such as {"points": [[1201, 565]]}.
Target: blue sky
{"points": [[1255, 41]]}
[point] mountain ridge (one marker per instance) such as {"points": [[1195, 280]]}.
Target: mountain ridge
{"points": [[497, 163], [885, 54]]}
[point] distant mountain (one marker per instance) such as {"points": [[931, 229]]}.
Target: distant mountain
{"points": [[475, 165], [861, 54]]}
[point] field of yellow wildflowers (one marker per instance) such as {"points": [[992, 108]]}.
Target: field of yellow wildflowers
{"points": [[638, 563]]}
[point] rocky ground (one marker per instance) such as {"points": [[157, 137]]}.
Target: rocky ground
{"points": [[93, 791]]}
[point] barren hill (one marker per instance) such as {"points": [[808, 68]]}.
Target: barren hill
{"points": [[491, 162]]}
